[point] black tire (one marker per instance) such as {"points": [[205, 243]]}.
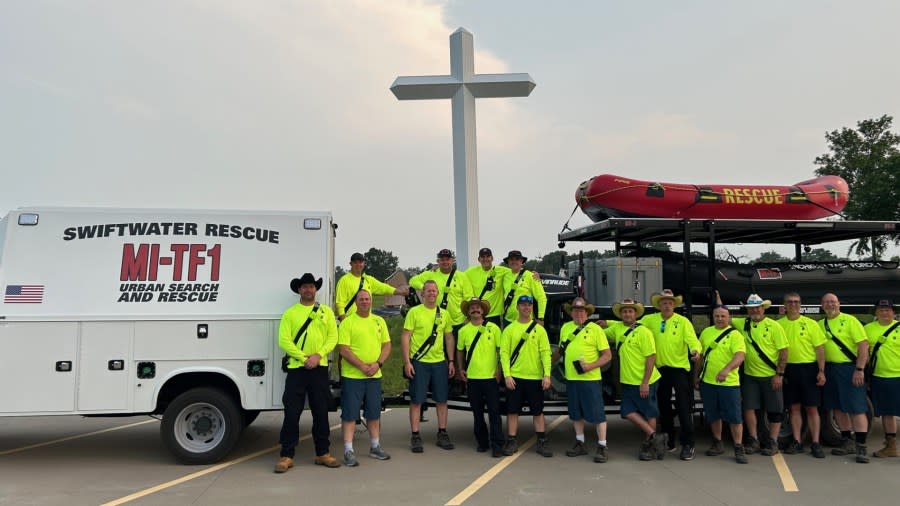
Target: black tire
{"points": [[831, 434], [249, 416], [201, 425]]}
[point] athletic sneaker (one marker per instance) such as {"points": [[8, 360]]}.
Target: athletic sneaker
{"points": [[769, 447], [415, 443], [687, 452], [601, 456], [817, 450], [576, 450], [846, 447], [350, 459], [717, 448], [739, 455], [379, 453], [751, 446], [793, 448], [443, 441]]}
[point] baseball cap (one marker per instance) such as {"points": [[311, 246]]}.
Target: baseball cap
{"points": [[525, 298], [357, 257], [445, 253], [485, 252], [884, 303]]}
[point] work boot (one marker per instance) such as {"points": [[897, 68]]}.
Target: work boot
{"points": [[739, 455], [817, 450], [443, 441], [496, 452], [660, 445], [717, 448], [576, 450], [378, 453], [511, 446], [350, 459], [327, 460], [601, 456], [687, 452], [543, 448], [752, 446], [769, 447], [862, 455], [284, 463], [415, 443], [890, 448], [845, 448], [647, 452], [793, 448]]}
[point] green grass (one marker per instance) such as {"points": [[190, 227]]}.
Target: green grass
{"points": [[392, 381]]}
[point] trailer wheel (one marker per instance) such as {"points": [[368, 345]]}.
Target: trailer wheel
{"points": [[201, 426]]}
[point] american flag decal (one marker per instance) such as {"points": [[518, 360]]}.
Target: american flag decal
{"points": [[24, 294]]}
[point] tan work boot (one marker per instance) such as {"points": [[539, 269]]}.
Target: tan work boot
{"points": [[327, 460], [284, 463], [890, 448]]}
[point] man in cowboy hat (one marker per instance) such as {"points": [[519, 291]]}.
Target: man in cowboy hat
{"points": [[453, 287], [354, 282], [487, 283], [426, 334], [846, 354], [804, 375], [638, 376], [676, 347], [525, 358], [307, 335], [584, 349], [518, 282], [884, 340], [477, 355], [719, 382], [764, 365]]}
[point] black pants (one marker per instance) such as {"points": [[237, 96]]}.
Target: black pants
{"points": [[679, 380], [485, 393], [299, 384]]}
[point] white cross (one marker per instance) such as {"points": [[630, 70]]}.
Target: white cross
{"points": [[462, 87]]}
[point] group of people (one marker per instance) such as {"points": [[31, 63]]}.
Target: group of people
{"points": [[492, 316]]}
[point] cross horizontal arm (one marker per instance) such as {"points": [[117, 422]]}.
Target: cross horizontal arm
{"points": [[424, 87], [500, 85]]}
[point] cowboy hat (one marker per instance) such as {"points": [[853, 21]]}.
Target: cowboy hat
{"points": [[466, 304], [637, 306], [578, 303], [306, 278], [755, 300], [665, 294]]}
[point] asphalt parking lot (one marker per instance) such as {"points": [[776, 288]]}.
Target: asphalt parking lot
{"points": [[99, 461]]}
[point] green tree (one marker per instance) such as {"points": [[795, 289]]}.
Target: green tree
{"points": [[380, 263], [820, 255], [771, 257], [868, 159], [338, 272]]}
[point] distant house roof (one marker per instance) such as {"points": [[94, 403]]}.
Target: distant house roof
{"points": [[397, 279]]}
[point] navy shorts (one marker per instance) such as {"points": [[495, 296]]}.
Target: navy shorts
{"points": [[433, 374], [886, 396], [800, 385], [585, 401], [529, 391], [358, 392], [840, 392], [721, 403], [633, 403], [757, 393]]}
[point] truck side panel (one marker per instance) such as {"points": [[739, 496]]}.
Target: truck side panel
{"points": [[29, 375]]}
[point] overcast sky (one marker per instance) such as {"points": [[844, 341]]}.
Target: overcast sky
{"points": [[286, 105]]}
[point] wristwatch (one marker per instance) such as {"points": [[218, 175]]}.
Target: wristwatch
{"points": [[779, 373], [380, 364], [860, 369]]}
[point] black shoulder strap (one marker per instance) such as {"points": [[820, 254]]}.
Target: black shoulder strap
{"points": [[425, 347], [515, 354], [627, 333], [447, 289], [471, 349], [512, 291], [488, 285], [840, 344], [362, 278], [302, 331], [711, 346], [873, 358], [762, 356], [565, 344]]}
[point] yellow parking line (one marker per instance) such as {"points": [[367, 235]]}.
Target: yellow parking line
{"points": [[483, 480], [77, 436], [189, 477], [787, 479]]}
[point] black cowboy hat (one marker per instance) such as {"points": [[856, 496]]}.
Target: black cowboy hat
{"points": [[296, 283]]}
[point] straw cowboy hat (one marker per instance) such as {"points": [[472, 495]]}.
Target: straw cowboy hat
{"points": [[466, 304], [665, 294], [578, 303], [619, 306], [755, 301]]}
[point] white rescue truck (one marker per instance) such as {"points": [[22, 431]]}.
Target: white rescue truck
{"points": [[153, 311]]}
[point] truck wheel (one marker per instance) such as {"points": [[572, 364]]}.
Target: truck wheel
{"points": [[249, 416], [831, 433], [201, 426]]}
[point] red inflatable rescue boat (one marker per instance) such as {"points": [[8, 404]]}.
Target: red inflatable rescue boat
{"points": [[610, 196]]}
